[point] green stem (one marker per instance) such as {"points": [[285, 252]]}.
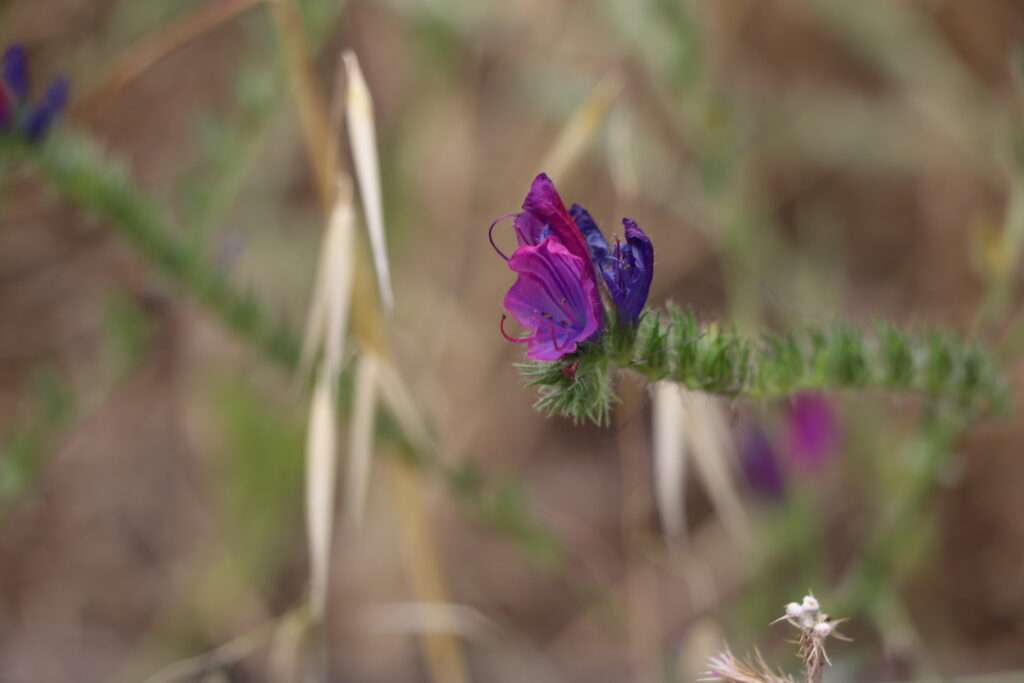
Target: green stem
{"points": [[672, 345]]}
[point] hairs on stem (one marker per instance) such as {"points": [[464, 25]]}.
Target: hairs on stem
{"points": [[673, 345]]}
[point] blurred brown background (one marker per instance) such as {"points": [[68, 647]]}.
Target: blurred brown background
{"points": [[793, 161]]}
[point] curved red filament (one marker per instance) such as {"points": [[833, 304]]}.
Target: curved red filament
{"points": [[508, 337], [490, 233], [554, 339]]}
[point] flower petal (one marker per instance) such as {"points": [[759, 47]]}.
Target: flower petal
{"points": [[5, 108], [628, 270], [598, 245], [530, 231], [636, 270], [761, 464], [545, 205], [15, 68], [42, 118], [552, 297], [813, 429]]}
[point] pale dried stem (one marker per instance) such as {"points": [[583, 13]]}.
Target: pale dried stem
{"points": [[368, 325], [441, 649]]}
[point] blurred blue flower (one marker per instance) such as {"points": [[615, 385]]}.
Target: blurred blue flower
{"points": [[761, 464], [16, 110], [16, 72]]}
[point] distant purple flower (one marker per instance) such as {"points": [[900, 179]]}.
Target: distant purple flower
{"points": [[5, 109], [40, 120], [16, 72], [761, 464], [15, 106], [556, 295], [813, 430], [628, 270]]}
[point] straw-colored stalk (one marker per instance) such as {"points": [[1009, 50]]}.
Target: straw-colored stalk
{"points": [[711, 445], [441, 648], [583, 126], [328, 320], [361, 431], [321, 466], [368, 326], [149, 51], [669, 458]]}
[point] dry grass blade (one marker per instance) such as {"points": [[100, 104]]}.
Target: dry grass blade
{"points": [[363, 138], [669, 458], [321, 468], [316, 317], [426, 617], [361, 431], [316, 128], [223, 655], [582, 127], [284, 659], [141, 57], [712, 448], [399, 399], [442, 650], [338, 279], [331, 306]]}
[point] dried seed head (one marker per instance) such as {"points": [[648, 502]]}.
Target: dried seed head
{"points": [[794, 610], [811, 604], [823, 629]]}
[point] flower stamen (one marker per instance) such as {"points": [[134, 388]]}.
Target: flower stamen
{"points": [[554, 339], [508, 337], [490, 233]]}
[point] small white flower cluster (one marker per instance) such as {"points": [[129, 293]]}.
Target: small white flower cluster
{"points": [[815, 628]]}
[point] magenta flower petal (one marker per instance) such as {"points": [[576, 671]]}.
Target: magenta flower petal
{"points": [[813, 429], [5, 108], [551, 298], [530, 230], [545, 205], [544, 216]]}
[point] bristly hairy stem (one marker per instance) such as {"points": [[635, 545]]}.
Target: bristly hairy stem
{"points": [[673, 345], [85, 177]]}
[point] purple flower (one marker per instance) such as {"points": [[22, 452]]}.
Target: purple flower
{"points": [[761, 464], [15, 107], [628, 270], [812, 428], [561, 301], [556, 295]]}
